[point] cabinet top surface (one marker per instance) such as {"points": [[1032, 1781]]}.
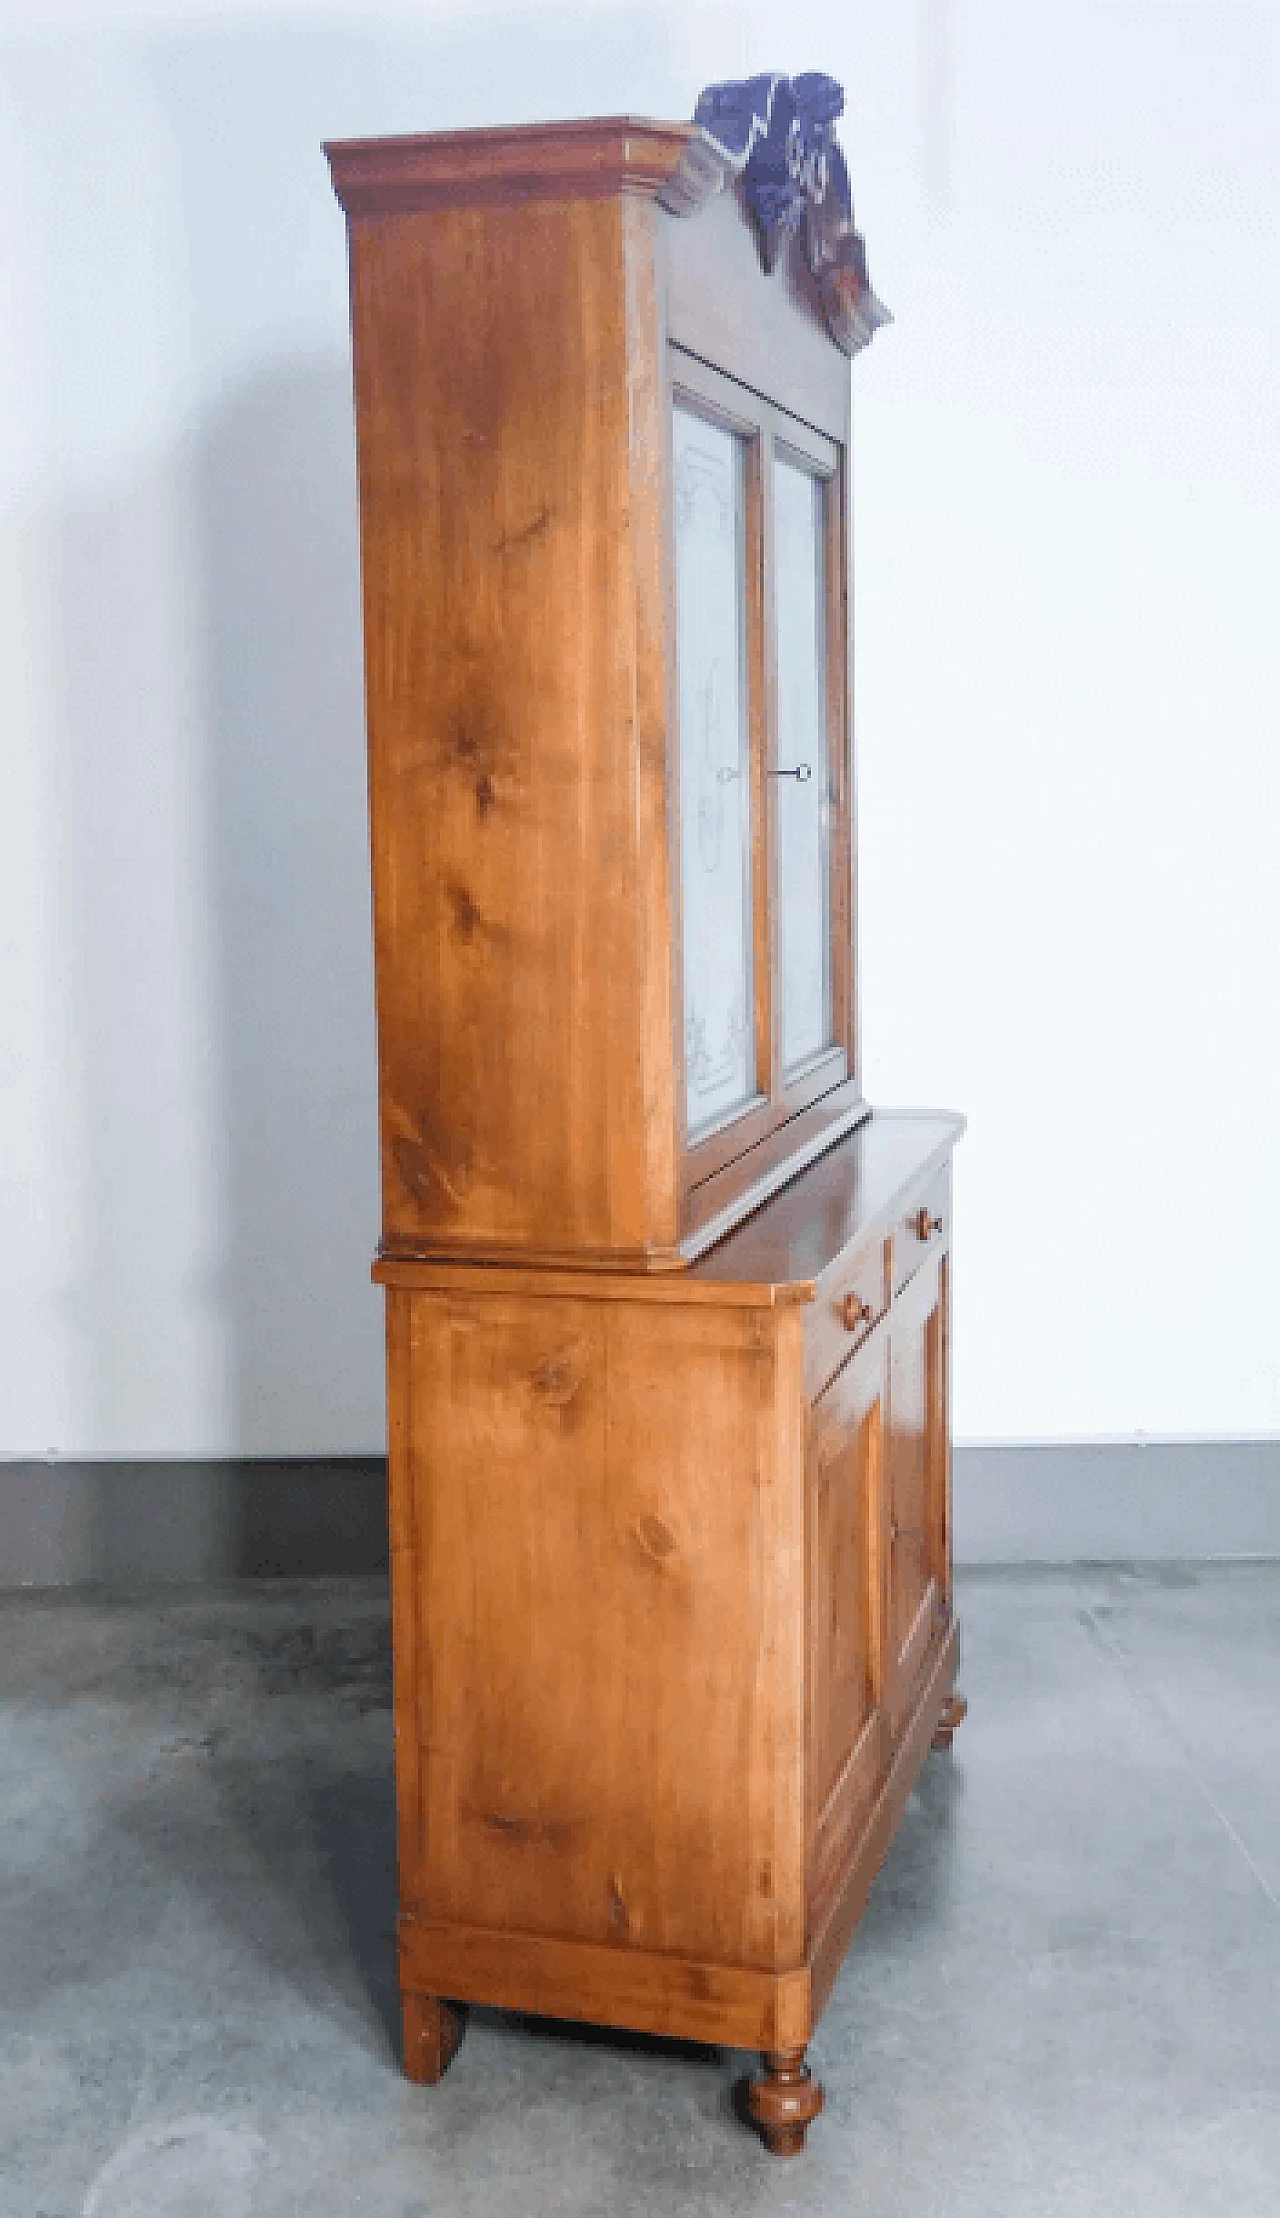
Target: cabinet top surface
{"points": [[799, 1233]]}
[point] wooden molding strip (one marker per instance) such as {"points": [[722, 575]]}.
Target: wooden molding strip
{"points": [[643, 1262], [442, 1275], [598, 156], [737, 2005]]}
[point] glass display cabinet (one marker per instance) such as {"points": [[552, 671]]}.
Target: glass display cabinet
{"points": [[667, 1303], [604, 496]]}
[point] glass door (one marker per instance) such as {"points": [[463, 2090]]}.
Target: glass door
{"points": [[762, 787], [721, 1077]]}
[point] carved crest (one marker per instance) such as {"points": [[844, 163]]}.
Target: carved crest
{"points": [[778, 135]]}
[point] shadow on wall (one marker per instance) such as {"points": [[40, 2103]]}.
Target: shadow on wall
{"points": [[256, 1141], [288, 887], [210, 690]]}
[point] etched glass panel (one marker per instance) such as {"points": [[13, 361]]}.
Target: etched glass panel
{"points": [[803, 781], [715, 770]]}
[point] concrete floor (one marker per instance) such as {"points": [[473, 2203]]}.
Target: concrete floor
{"points": [[1065, 1997]]}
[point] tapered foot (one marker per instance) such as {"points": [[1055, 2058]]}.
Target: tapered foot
{"points": [[954, 1712], [785, 2102], [433, 2033]]}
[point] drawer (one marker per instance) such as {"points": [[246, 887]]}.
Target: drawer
{"points": [[923, 1227], [851, 1299]]}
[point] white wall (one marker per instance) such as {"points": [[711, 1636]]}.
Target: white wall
{"points": [[1068, 660]]}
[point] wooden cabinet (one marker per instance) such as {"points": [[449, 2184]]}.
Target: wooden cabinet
{"points": [[603, 458], [666, 1301], [673, 1626]]}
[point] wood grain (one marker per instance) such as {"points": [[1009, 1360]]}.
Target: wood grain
{"points": [[609, 1500], [805, 1235], [804, 1244], [668, 1430], [522, 311], [674, 1635], [683, 1998], [592, 157], [500, 522]]}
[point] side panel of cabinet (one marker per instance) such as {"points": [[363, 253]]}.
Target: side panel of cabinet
{"points": [[918, 1481], [511, 439], [598, 1514], [847, 1598]]}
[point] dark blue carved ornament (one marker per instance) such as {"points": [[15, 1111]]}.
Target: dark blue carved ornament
{"points": [[777, 134]]}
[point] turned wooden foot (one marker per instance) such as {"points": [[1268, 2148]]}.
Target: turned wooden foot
{"points": [[433, 2033], [954, 1712], [785, 2102]]}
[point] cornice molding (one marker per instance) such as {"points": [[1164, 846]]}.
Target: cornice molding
{"points": [[610, 154], [773, 136]]}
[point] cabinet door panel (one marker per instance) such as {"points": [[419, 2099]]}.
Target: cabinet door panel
{"points": [[761, 777], [715, 770], [918, 1473], [848, 1738]]}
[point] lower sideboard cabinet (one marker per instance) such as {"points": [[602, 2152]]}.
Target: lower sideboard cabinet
{"points": [[672, 1615]]}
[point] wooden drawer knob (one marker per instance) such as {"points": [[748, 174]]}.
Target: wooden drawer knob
{"points": [[854, 1312], [924, 1226]]}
